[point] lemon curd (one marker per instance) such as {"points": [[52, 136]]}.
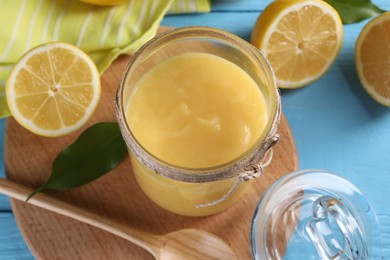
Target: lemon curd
{"points": [[194, 111]]}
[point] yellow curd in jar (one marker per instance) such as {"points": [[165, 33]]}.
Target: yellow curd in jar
{"points": [[194, 111]]}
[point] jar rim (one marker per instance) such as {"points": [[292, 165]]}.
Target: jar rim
{"points": [[229, 169]]}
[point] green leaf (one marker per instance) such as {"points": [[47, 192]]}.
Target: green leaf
{"points": [[99, 149], [353, 11]]}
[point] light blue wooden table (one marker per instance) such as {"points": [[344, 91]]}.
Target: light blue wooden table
{"points": [[336, 125]]}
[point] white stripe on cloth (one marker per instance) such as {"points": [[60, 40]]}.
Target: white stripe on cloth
{"points": [[4, 68], [139, 21], [192, 7], [123, 21], [106, 27], [47, 21], [152, 11], [83, 28], [181, 5], [58, 20], [15, 30], [31, 26]]}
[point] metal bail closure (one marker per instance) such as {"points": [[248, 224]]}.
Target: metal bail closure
{"points": [[250, 172], [335, 232]]}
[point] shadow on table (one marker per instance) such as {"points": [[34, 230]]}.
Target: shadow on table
{"points": [[375, 109]]}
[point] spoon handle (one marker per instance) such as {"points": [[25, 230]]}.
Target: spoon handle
{"points": [[150, 242]]}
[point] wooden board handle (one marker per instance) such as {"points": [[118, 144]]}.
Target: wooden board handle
{"points": [[150, 242]]}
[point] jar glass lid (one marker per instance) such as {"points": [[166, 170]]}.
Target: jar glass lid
{"points": [[314, 214]]}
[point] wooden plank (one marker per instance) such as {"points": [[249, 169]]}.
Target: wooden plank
{"points": [[384, 221], [4, 202], [12, 245], [259, 5], [243, 26]]}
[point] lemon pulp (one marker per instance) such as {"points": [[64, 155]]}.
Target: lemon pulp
{"points": [[53, 89], [300, 38]]}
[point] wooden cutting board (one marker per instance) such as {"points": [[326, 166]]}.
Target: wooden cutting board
{"points": [[28, 159]]}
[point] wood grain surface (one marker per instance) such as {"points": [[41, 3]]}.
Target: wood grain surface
{"points": [[28, 159]]}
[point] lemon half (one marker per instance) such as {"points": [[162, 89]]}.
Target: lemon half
{"points": [[300, 38], [53, 89], [372, 58]]}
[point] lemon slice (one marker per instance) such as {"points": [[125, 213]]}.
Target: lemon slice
{"points": [[300, 38], [372, 58], [53, 89]]}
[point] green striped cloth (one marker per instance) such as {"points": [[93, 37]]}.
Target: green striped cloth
{"points": [[102, 32]]}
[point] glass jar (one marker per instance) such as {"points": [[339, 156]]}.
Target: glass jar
{"points": [[314, 214], [193, 191]]}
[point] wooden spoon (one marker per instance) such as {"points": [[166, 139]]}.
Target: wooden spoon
{"points": [[181, 244]]}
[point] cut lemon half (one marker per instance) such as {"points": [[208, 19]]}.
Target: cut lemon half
{"points": [[372, 58], [300, 39], [53, 89]]}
